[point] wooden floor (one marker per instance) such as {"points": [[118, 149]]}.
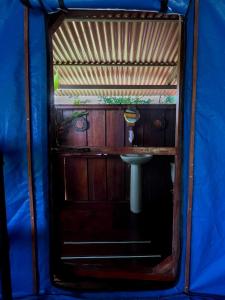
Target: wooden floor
{"points": [[112, 221], [107, 237]]}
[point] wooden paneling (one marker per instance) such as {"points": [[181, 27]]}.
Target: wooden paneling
{"points": [[154, 136], [96, 131], [115, 128], [58, 179], [72, 137], [108, 179], [170, 116], [97, 179], [139, 131], [76, 179], [108, 128], [94, 178], [115, 179], [156, 178]]}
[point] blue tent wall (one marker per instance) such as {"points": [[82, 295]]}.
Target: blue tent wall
{"points": [[174, 6], [208, 238], [208, 243], [12, 141], [13, 136]]}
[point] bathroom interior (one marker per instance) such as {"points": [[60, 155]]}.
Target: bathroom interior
{"points": [[115, 149]]}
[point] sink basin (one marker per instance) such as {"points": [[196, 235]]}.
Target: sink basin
{"points": [[136, 160]]}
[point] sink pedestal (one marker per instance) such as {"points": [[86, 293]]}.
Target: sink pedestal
{"points": [[135, 161], [172, 167], [135, 189]]}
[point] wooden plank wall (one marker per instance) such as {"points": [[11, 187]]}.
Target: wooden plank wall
{"points": [[91, 179], [108, 128], [98, 179]]}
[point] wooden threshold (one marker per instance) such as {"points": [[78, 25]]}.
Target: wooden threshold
{"points": [[154, 281]]}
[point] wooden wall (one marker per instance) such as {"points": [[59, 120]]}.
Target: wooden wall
{"points": [[89, 178], [156, 127], [93, 178]]}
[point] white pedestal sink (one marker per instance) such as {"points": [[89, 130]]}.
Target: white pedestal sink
{"points": [[136, 160]]}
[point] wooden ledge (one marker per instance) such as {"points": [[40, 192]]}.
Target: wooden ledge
{"points": [[104, 151]]}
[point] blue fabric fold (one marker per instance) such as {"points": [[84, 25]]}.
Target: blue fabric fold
{"points": [[174, 6]]}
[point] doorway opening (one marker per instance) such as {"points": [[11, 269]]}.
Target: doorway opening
{"points": [[115, 148]]}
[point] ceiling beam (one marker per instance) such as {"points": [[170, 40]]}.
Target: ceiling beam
{"points": [[54, 21], [120, 20], [116, 64], [117, 87], [117, 14]]}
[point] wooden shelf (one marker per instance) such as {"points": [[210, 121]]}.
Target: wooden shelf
{"points": [[105, 151]]}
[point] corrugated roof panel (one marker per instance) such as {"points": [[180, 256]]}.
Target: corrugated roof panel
{"points": [[98, 75], [99, 42], [117, 39]]}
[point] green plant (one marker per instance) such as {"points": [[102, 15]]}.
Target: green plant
{"points": [[56, 80], [125, 100], [76, 101], [170, 100], [78, 114]]}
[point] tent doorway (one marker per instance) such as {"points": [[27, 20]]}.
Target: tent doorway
{"points": [[115, 148]]}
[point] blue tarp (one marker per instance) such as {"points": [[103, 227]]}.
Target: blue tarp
{"points": [[208, 242], [208, 238], [174, 6]]}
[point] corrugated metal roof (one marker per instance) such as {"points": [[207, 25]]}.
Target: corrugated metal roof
{"points": [[108, 92], [98, 75], [117, 50]]}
